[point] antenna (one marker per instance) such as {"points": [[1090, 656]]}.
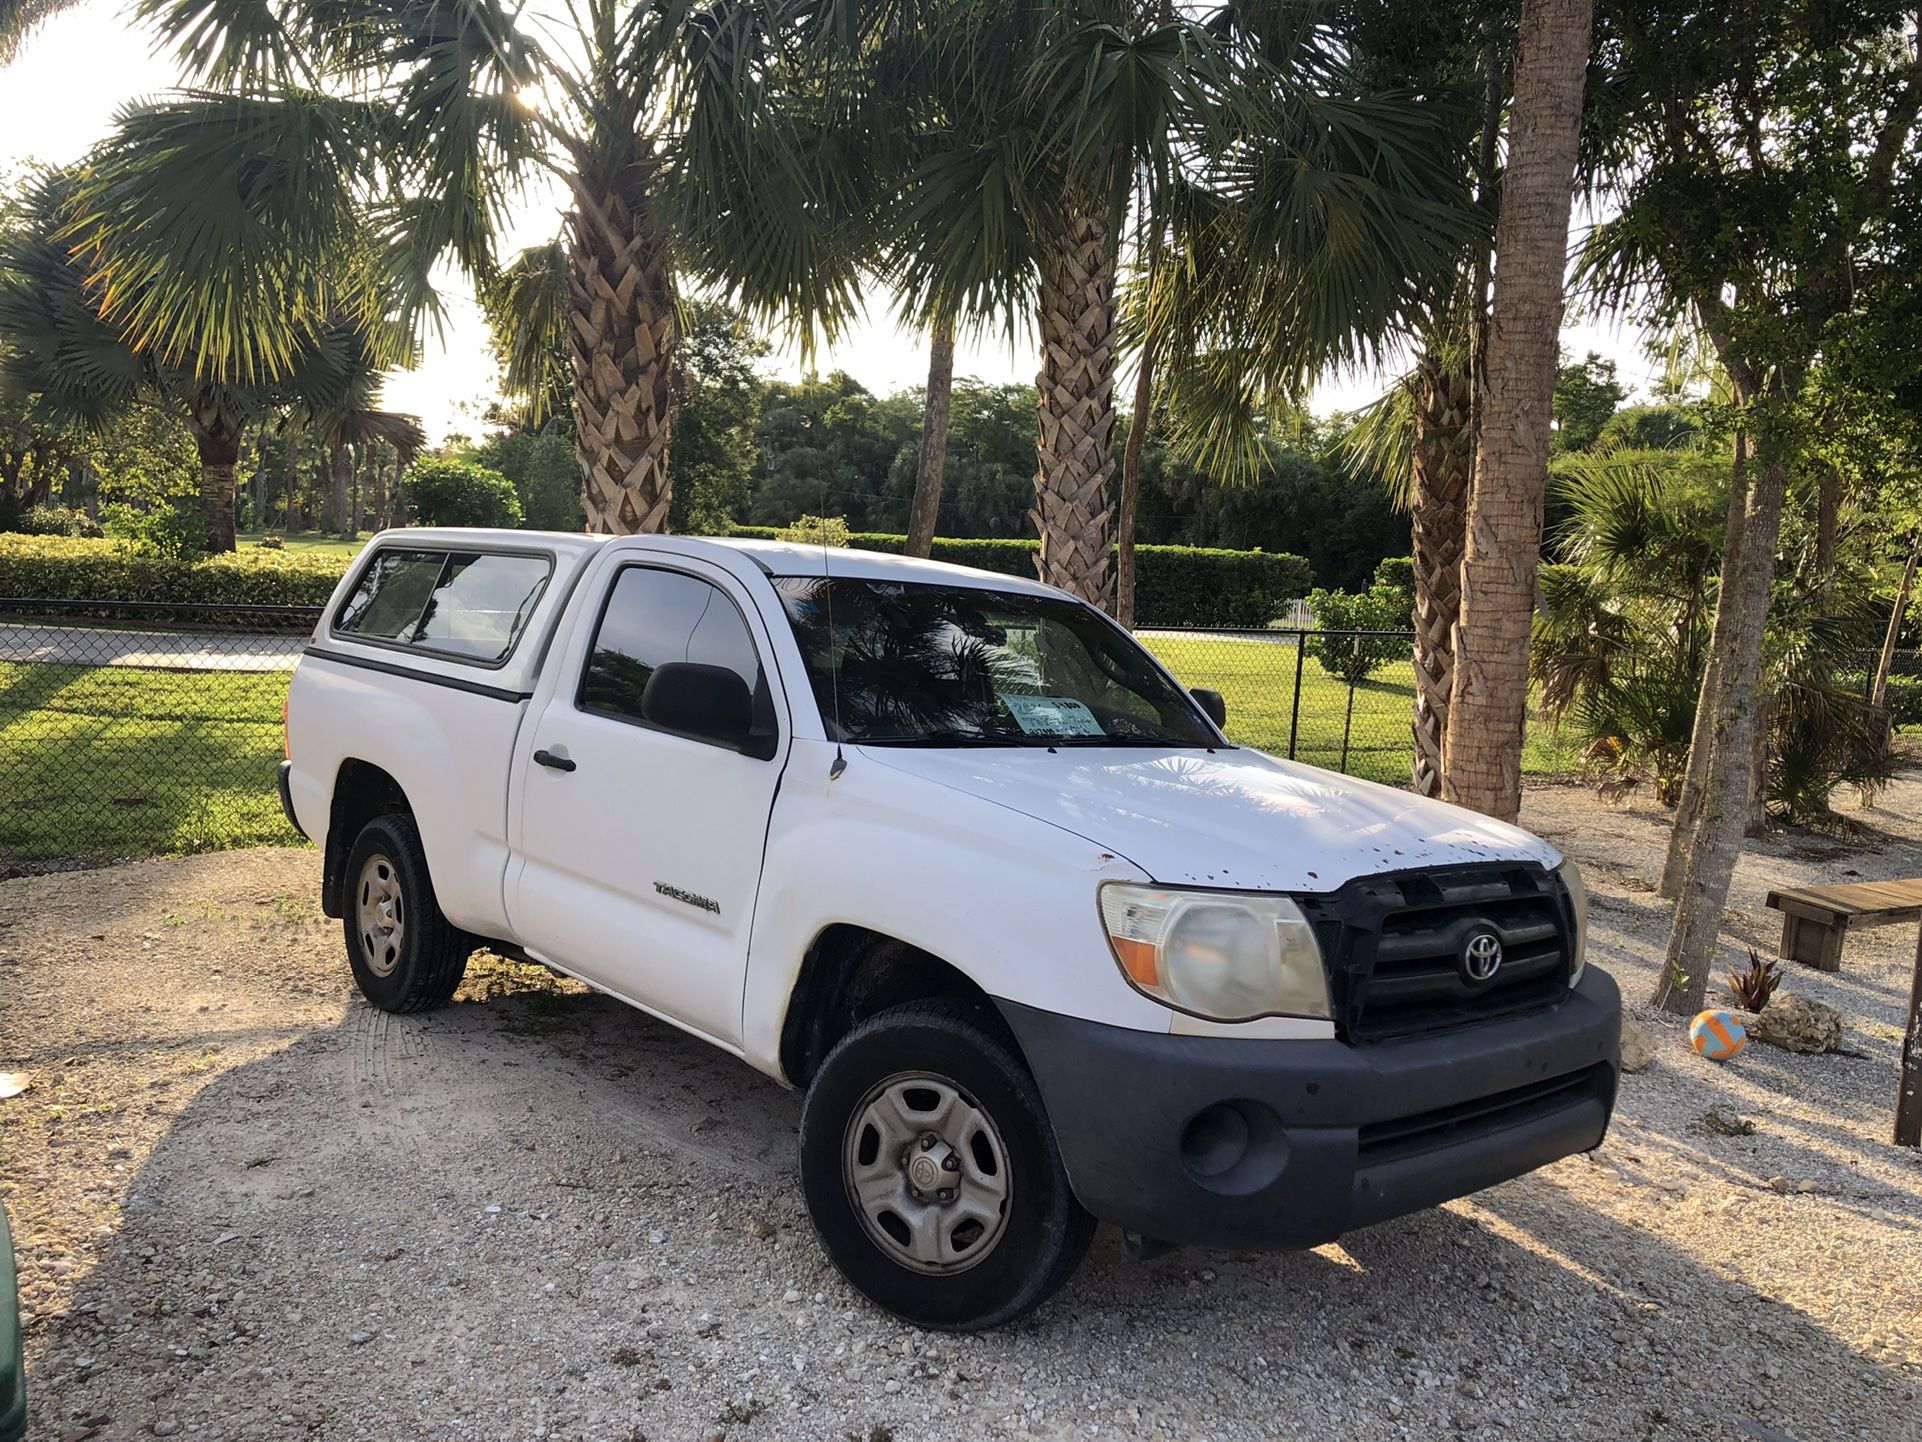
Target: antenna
{"points": [[834, 664]]}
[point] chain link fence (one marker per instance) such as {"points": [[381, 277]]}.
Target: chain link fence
{"points": [[1336, 699], [132, 728]]}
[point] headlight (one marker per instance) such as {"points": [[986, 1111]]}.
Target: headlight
{"points": [[1571, 875], [1224, 955]]}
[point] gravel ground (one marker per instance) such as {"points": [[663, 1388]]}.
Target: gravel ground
{"points": [[248, 1206]]}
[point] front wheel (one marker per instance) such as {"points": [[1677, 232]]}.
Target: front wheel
{"points": [[932, 1174], [406, 956]]}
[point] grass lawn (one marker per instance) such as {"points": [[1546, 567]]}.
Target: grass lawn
{"points": [[113, 761], [1257, 680], [125, 761], [314, 543]]}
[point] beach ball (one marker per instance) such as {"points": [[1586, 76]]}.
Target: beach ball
{"points": [[1717, 1035]]}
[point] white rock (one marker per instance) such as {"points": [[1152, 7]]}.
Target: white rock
{"points": [[1637, 1053]]}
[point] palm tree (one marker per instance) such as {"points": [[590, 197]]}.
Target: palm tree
{"points": [[1489, 705], [57, 346], [1292, 203], [395, 135]]}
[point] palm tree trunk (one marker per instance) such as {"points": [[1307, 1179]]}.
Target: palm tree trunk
{"points": [[1689, 805], [1489, 707], [1879, 689], [1075, 443], [1138, 419], [343, 464], [1444, 464], [290, 481], [219, 450], [1731, 701], [926, 509], [622, 334]]}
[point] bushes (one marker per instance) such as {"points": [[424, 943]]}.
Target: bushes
{"points": [[87, 570], [460, 493], [1174, 585], [51, 521], [544, 474], [1905, 696], [172, 530]]}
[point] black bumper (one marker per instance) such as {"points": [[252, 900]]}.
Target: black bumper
{"points": [[1218, 1142], [287, 797]]}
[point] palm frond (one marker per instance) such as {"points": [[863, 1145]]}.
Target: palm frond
{"points": [[208, 223], [1379, 444], [525, 303], [20, 18]]}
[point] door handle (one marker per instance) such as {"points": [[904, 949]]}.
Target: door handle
{"points": [[548, 758]]}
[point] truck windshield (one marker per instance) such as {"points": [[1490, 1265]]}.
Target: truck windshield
{"points": [[913, 664]]}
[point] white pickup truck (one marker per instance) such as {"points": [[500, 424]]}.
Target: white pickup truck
{"points": [[951, 851]]}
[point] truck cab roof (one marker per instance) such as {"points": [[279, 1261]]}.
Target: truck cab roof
{"points": [[774, 558]]}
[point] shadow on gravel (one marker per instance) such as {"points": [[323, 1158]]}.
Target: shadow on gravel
{"points": [[543, 1215]]}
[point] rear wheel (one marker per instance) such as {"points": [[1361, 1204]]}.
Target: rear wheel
{"points": [[932, 1174], [405, 955]]}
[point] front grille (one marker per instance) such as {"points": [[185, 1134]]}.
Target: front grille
{"points": [[1393, 943], [1448, 1126]]}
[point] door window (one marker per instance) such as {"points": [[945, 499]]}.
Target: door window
{"points": [[653, 617]]}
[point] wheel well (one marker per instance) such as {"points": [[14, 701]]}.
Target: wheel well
{"points": [[362, 791], [849, 974]]}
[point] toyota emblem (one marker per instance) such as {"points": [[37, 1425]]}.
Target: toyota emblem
{"points": [[1482, 957]]}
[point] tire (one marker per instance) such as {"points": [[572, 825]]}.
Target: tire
{"points": [[405, 955], [939, 1069]]}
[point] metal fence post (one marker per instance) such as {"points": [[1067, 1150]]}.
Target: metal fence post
{"points": [[1294, 712], [1348, 721]]}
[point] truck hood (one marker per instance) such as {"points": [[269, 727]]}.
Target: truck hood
{"points": [[1233, 818]]}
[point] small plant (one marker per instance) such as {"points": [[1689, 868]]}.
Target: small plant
{"points": [[815, 531], [1358, 633], [1755, 983], [1720, 1122]]}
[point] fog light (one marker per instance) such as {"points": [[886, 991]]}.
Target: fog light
{"points": [[1215, 1140]]}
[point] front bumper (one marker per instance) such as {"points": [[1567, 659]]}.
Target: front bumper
{"points": [[1217, 1142], [281, 775]]}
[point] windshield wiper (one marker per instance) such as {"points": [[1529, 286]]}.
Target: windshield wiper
{"points": [[950, 738], [1163, 744]]}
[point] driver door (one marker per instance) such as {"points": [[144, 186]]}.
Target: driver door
{"points": [[640, 849]]}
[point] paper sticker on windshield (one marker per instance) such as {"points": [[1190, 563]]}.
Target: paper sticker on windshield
{"points": [[1052, 716]]}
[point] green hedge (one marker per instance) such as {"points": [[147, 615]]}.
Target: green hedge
{"points": [[1905, 696], [61, 567], [1174, 585]]}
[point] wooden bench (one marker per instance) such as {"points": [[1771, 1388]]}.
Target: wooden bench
{"points": [[1816, 919]]}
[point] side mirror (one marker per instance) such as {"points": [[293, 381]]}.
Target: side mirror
{"points": [[1211, 704], [707, 703]]}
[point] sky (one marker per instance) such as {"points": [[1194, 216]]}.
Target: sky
{"points": [[61, 94]]}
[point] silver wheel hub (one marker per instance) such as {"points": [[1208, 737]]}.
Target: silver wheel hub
{"points": [[927, 1173], [379, 915]]}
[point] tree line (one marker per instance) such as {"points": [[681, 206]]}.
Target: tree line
{"points": [[1229, 198]]}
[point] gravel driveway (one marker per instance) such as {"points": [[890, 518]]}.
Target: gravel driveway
{"points": [[248, 1206]]}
